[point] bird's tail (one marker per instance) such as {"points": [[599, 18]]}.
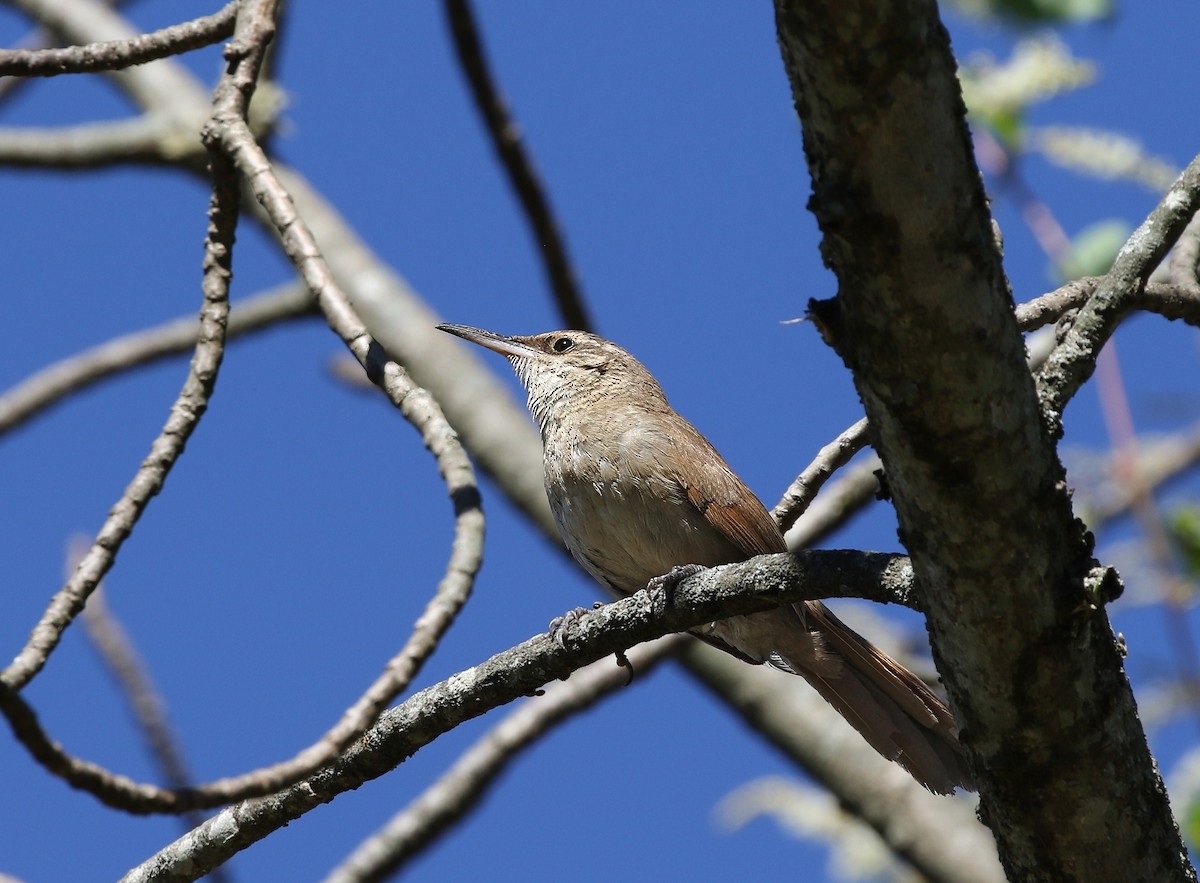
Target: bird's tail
{"points": [[893, 709]]}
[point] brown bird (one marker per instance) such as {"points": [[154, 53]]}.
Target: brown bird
{"points": [[636, 491]]}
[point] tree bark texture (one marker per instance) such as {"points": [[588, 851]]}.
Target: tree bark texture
{"points": [[924, 319]]}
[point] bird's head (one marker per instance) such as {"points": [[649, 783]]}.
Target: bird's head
{"points": [[562, 369]]}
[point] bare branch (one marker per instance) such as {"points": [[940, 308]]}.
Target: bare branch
{"points": [[1184, 266], [165, 450], [460, 789], [926, 831], [510, 149], [120, 657], [1168, 300], [93, 145], [808, 483], [118, 54], [168, 91], [840, 501], [1074, 359], [254, 31], [55, 382], [38, 38], [758, 584], [1157, 463], [820, 516], [453, 590]]}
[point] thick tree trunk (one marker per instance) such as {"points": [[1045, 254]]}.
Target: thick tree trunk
{"points": [[924, 320]]}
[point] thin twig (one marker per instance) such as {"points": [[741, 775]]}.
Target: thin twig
{"points": [[467, 782], [1169, 301], [808, 483], [118, 54], [1158, 463], [510, 149], [838, 502], [1184, 265], [1074, 359], [143, 139], [55, 382], [38, 38], [230, 139], [164, 90], [119, 655], [127, 668], [843, 498], [227, 128], [165, 450]]}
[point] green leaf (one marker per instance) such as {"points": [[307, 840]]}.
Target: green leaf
{"points": [[1094, 249], [1191, 824], [1183, 527]]}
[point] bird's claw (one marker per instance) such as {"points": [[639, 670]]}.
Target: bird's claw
{"points": [[669, 581], [560, 624]]}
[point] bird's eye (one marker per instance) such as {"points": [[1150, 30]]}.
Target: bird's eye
{"points": [[562, 344]]}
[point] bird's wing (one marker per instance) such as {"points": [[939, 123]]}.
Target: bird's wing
{"points": [[731, 507]]}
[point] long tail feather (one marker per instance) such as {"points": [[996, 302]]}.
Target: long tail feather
{"points": [[893, 709]]}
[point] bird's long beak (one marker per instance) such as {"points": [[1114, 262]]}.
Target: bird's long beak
{"points": [[506, 346]]}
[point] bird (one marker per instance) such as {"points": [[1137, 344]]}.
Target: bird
{"points": [[638, 492]]}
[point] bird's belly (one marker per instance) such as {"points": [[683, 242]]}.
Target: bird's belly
{"points": [[627, 533]]}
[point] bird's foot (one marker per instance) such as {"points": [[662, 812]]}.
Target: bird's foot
{"points": [[559, 625], [669, 581]]}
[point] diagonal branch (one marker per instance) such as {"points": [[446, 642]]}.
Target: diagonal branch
{"points": [[808, 483], [124, 663], [460, 789], [55, 382], [117, 54], [1074, 359], [1032, 671], [510, 149], [758, 584], [164, 451]]}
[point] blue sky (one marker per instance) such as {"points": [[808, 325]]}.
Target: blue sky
{"points": [[305, 527]]}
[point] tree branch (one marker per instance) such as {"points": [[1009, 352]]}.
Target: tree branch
{"points": [[91, 145], [758, 584], [1074, 359], [808, 483], [165, 450], [227, 127], [117, 54], [55, 382], [926, 831], [464, 785], [510, 150], [1167, 300], [1157, 463], [1032, 670], [491, 423], [120, 657]]}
